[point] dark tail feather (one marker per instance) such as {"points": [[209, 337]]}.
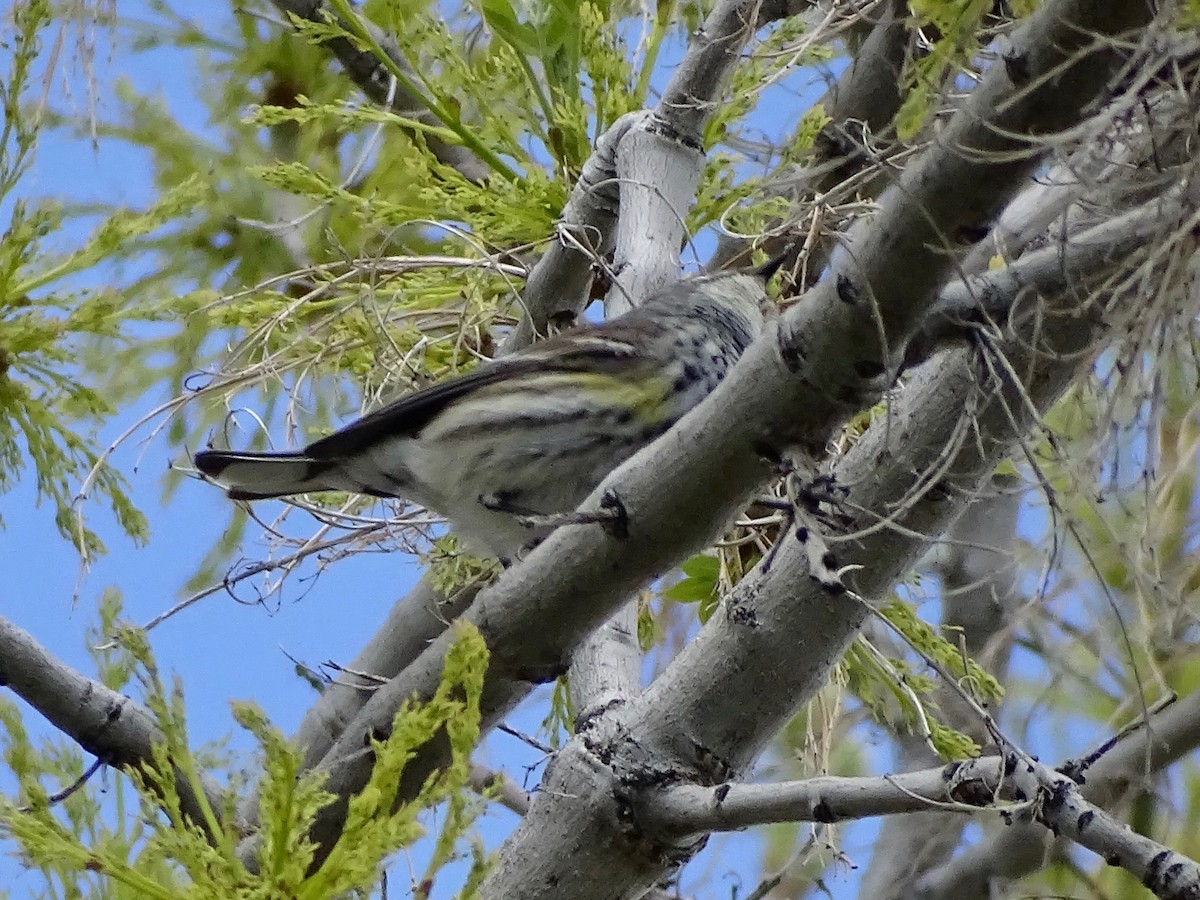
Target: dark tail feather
{"points": [[260, 476]]}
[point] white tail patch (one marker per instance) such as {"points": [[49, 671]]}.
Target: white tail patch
{"points": [[256, 476]]}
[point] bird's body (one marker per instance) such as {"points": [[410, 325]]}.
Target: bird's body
{"points": [[531, 434]]}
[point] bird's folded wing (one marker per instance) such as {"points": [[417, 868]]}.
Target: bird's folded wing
{"points": [[406, 416]]}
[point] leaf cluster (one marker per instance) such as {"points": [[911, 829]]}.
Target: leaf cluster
{"points": [[164, 853]]}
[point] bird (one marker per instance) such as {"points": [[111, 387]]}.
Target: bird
{"points": [[507, 450]]}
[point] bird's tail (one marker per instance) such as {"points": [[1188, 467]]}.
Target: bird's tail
{"points": [[259, 476]]}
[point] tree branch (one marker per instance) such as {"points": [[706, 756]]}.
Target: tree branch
{"points": [[860, 105], [1055, 800], [980, 596], [1061, 808], [708, 715], [107, 724], [558, 284], [606, 667], [823, 364], [692, 809], [1023, 848], [373, 79]]}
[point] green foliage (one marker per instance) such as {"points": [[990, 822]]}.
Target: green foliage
{"points": [[559, 723], [353, 301], [357, 32], [450, 569], [926, 640], [956, 25], [699, 584], [43, 404], [1189, 14], [774, 55], [166, 854], [722, 186], [893, 690]]}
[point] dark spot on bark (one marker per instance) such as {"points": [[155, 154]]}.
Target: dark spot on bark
{"points": [[1153, 871], [1084, 820], [768, 452], [720, 793], [712, 768], [822, 813], [618, 525], [971, 234], [802, 534], [828, 560], [562, 319], [743, 615], [540, 673], [1017, 67], [1172, 873], [938, 492], [793, 355], [847, 291], [588, 716], [869, 369]]}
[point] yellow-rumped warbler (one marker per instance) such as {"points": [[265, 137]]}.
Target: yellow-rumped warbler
{"points": [[529, 434]]}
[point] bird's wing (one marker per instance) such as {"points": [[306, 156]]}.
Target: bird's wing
{"points": [[409, 414], [568, 352]]}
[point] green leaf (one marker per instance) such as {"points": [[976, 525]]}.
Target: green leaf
{"points": [[501, 18], [699, 583]]}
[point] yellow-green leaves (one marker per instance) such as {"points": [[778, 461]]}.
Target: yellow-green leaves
{"points": [[375, 827], [956, 24], [699, 584], [898, 691], [172, 856]]}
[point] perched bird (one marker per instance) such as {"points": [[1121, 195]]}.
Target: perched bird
{"points": [[528, 436]]}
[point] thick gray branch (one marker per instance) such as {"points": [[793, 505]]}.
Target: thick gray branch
{"points": [[709, 714], [823, 364], [606, 667], [103, 722]]}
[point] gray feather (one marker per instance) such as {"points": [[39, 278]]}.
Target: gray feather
{"points": [[259, 476]]}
